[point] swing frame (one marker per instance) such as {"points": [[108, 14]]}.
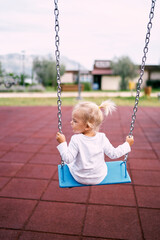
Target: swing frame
{"points": [[118, 167]]}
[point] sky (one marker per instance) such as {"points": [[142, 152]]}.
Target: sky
{"points": [[89, 29]]}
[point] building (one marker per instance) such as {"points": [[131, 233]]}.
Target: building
{"points": [[71, 76], [103, 78], [153, 75]]}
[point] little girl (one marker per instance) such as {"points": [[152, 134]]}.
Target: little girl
{"points": [[85, 153]]}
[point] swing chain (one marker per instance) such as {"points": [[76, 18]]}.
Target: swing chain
{"points": [[57, 54], [140, 80], [144, 58]]}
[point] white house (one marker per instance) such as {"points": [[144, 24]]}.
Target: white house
{"points": [[72, 76]]}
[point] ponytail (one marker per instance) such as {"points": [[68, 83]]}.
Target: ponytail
{"points": [[108, 107]]}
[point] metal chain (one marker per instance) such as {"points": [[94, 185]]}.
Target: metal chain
{"points": [[144, 58], [57, 54], [140, 80]]}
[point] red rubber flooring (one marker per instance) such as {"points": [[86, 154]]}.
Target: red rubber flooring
{"points": [[33, 207]]}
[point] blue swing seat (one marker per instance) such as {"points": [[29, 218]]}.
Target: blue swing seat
{"points": [[116, 174]]}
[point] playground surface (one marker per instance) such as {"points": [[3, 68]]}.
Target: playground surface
{"points": [[33, 207]]}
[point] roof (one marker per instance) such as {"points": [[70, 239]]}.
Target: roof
{"points": [[152, 67], [102, 72]]}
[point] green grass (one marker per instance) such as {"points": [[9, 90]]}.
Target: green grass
{"points": [[120, 101], [52, 89]]}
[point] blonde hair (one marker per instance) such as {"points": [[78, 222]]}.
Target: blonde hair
{"points": [[92, 114]]}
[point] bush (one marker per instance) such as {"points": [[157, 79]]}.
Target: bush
{"points": [[18, 88], [87, 86], [12, 89], [36, 88], [153, 83]]}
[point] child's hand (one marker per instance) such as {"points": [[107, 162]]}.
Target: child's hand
{"points": [[130, 140], [60, 137]]}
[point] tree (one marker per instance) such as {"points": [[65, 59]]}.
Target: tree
{"points": [[46, 71], [1, 70], [126, 69]]}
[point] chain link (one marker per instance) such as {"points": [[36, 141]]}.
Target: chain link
{"points": [[57, 55], [144, 58], [140, 80]]}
